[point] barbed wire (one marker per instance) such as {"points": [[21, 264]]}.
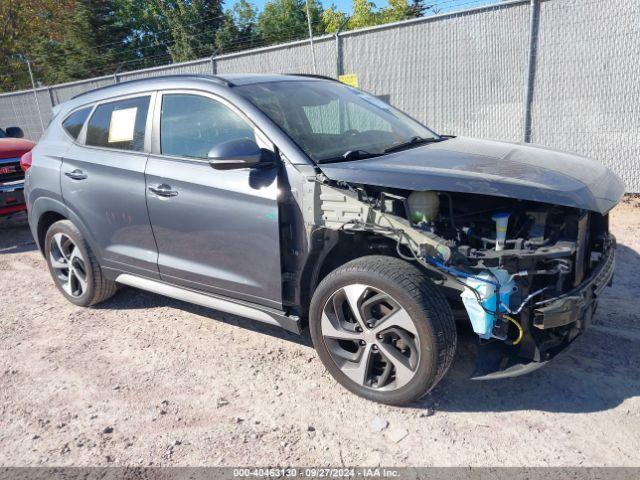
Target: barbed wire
{"points": [[432, 8], [111, 67], [211, 49]]}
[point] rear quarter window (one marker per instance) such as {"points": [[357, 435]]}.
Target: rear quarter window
{"points": [[120, 124], [74, 122]]}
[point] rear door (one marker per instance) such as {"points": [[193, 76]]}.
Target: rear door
{"points": [[103, 183], [215, 230]]}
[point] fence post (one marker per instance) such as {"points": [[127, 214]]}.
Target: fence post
{"points": [[116, 79], [51, 99], [534, 27], [339, 53], [214, 67]]}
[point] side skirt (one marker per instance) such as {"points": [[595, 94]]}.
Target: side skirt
{"points": [[235, 307]]}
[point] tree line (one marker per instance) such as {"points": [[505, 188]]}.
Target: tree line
{"points": [[67, 40]]}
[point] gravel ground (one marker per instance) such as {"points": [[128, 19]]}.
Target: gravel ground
{"points": [[146, 380]]}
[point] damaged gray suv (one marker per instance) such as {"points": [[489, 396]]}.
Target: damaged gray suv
{"points": [[302, 202]]}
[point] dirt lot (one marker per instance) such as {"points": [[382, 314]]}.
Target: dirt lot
{"points": [[145, 380]]}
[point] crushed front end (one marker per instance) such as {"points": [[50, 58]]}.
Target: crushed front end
{"points": [[526, 275], [539, 269]]}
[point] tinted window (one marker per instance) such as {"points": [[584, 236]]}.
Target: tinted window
{"points": [[74, 122], [119, 124], [191, 125], [329, 119]]}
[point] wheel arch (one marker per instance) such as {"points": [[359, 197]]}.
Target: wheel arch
{"points": [[45, 212], [332, 249]]}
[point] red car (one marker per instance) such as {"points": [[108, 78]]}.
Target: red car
{"points": [[12, 147]]}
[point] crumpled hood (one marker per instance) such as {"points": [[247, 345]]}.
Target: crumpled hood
{"points": [[519, 171], [14, 147]]}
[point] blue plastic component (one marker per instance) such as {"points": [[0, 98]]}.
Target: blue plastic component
{"points": [[484, 283], [502, 221]]}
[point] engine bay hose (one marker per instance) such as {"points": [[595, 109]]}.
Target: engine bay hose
{"points": [[458, 273]]}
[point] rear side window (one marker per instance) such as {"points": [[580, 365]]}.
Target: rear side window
{"points": [[74, 122], [119, 124]]}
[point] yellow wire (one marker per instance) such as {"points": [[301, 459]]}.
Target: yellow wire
{"points": [[520, 332]]}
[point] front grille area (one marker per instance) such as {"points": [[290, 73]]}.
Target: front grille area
{"points": [[10, 170]]}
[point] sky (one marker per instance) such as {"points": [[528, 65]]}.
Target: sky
{"points": [[345, 5]]}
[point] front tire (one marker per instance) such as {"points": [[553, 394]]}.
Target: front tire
{"points": [[73, 266], [383, 329]]}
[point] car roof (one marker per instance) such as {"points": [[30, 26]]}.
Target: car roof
{"points": [[250, 78], [180, 80], [193, 80]]}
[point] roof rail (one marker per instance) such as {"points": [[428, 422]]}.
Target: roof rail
{"points": [[313, 75], [214, 78]]}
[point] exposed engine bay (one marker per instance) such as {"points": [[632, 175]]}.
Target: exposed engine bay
{"points": [[526, 274]]}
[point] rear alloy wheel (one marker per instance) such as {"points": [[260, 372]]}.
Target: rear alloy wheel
{"points": [[68, 265], [383, 329], [73, 266]]}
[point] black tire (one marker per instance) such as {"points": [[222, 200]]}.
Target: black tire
{"points": [[98, 288], [423, 302]]}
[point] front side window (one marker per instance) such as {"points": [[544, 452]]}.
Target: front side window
{"points": [[331, 121], [191, 125], [119, 124], [74, 122]]}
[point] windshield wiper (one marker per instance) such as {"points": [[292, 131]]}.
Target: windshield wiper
{"points": [[350, 155], [412, 142]]}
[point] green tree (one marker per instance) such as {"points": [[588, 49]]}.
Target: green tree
{"points": [[285, 20], [95, 41], [364, 15], [418, 8], [396, 10], [333, 19], [178, 29], [22, 24], [239, 30], [71, 56]]}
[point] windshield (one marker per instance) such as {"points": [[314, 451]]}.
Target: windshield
{"points": [[333, 122], [2, 134]]}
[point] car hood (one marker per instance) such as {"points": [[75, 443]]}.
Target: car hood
{"points": [[518, 171], [14, 147]]}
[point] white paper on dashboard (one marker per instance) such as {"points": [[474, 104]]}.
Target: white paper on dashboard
{"points": [[122, 126]]}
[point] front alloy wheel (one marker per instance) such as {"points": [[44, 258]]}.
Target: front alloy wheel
{"points": [[382, 329], [370, 337]]}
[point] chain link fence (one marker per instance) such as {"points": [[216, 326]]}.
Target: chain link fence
{"points": [[560, 73]]}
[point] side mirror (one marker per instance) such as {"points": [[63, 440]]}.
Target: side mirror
{"points": [[240, 153], [15, 132]]}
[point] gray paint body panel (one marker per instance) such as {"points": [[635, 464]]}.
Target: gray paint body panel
{"points": [[488, 167], [111, 202], [220, 233]]}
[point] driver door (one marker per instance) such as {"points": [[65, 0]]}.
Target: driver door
{"points": [[216, 230]]}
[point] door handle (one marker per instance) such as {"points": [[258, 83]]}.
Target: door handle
{"points": [[76, 174], [163, 190]]}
